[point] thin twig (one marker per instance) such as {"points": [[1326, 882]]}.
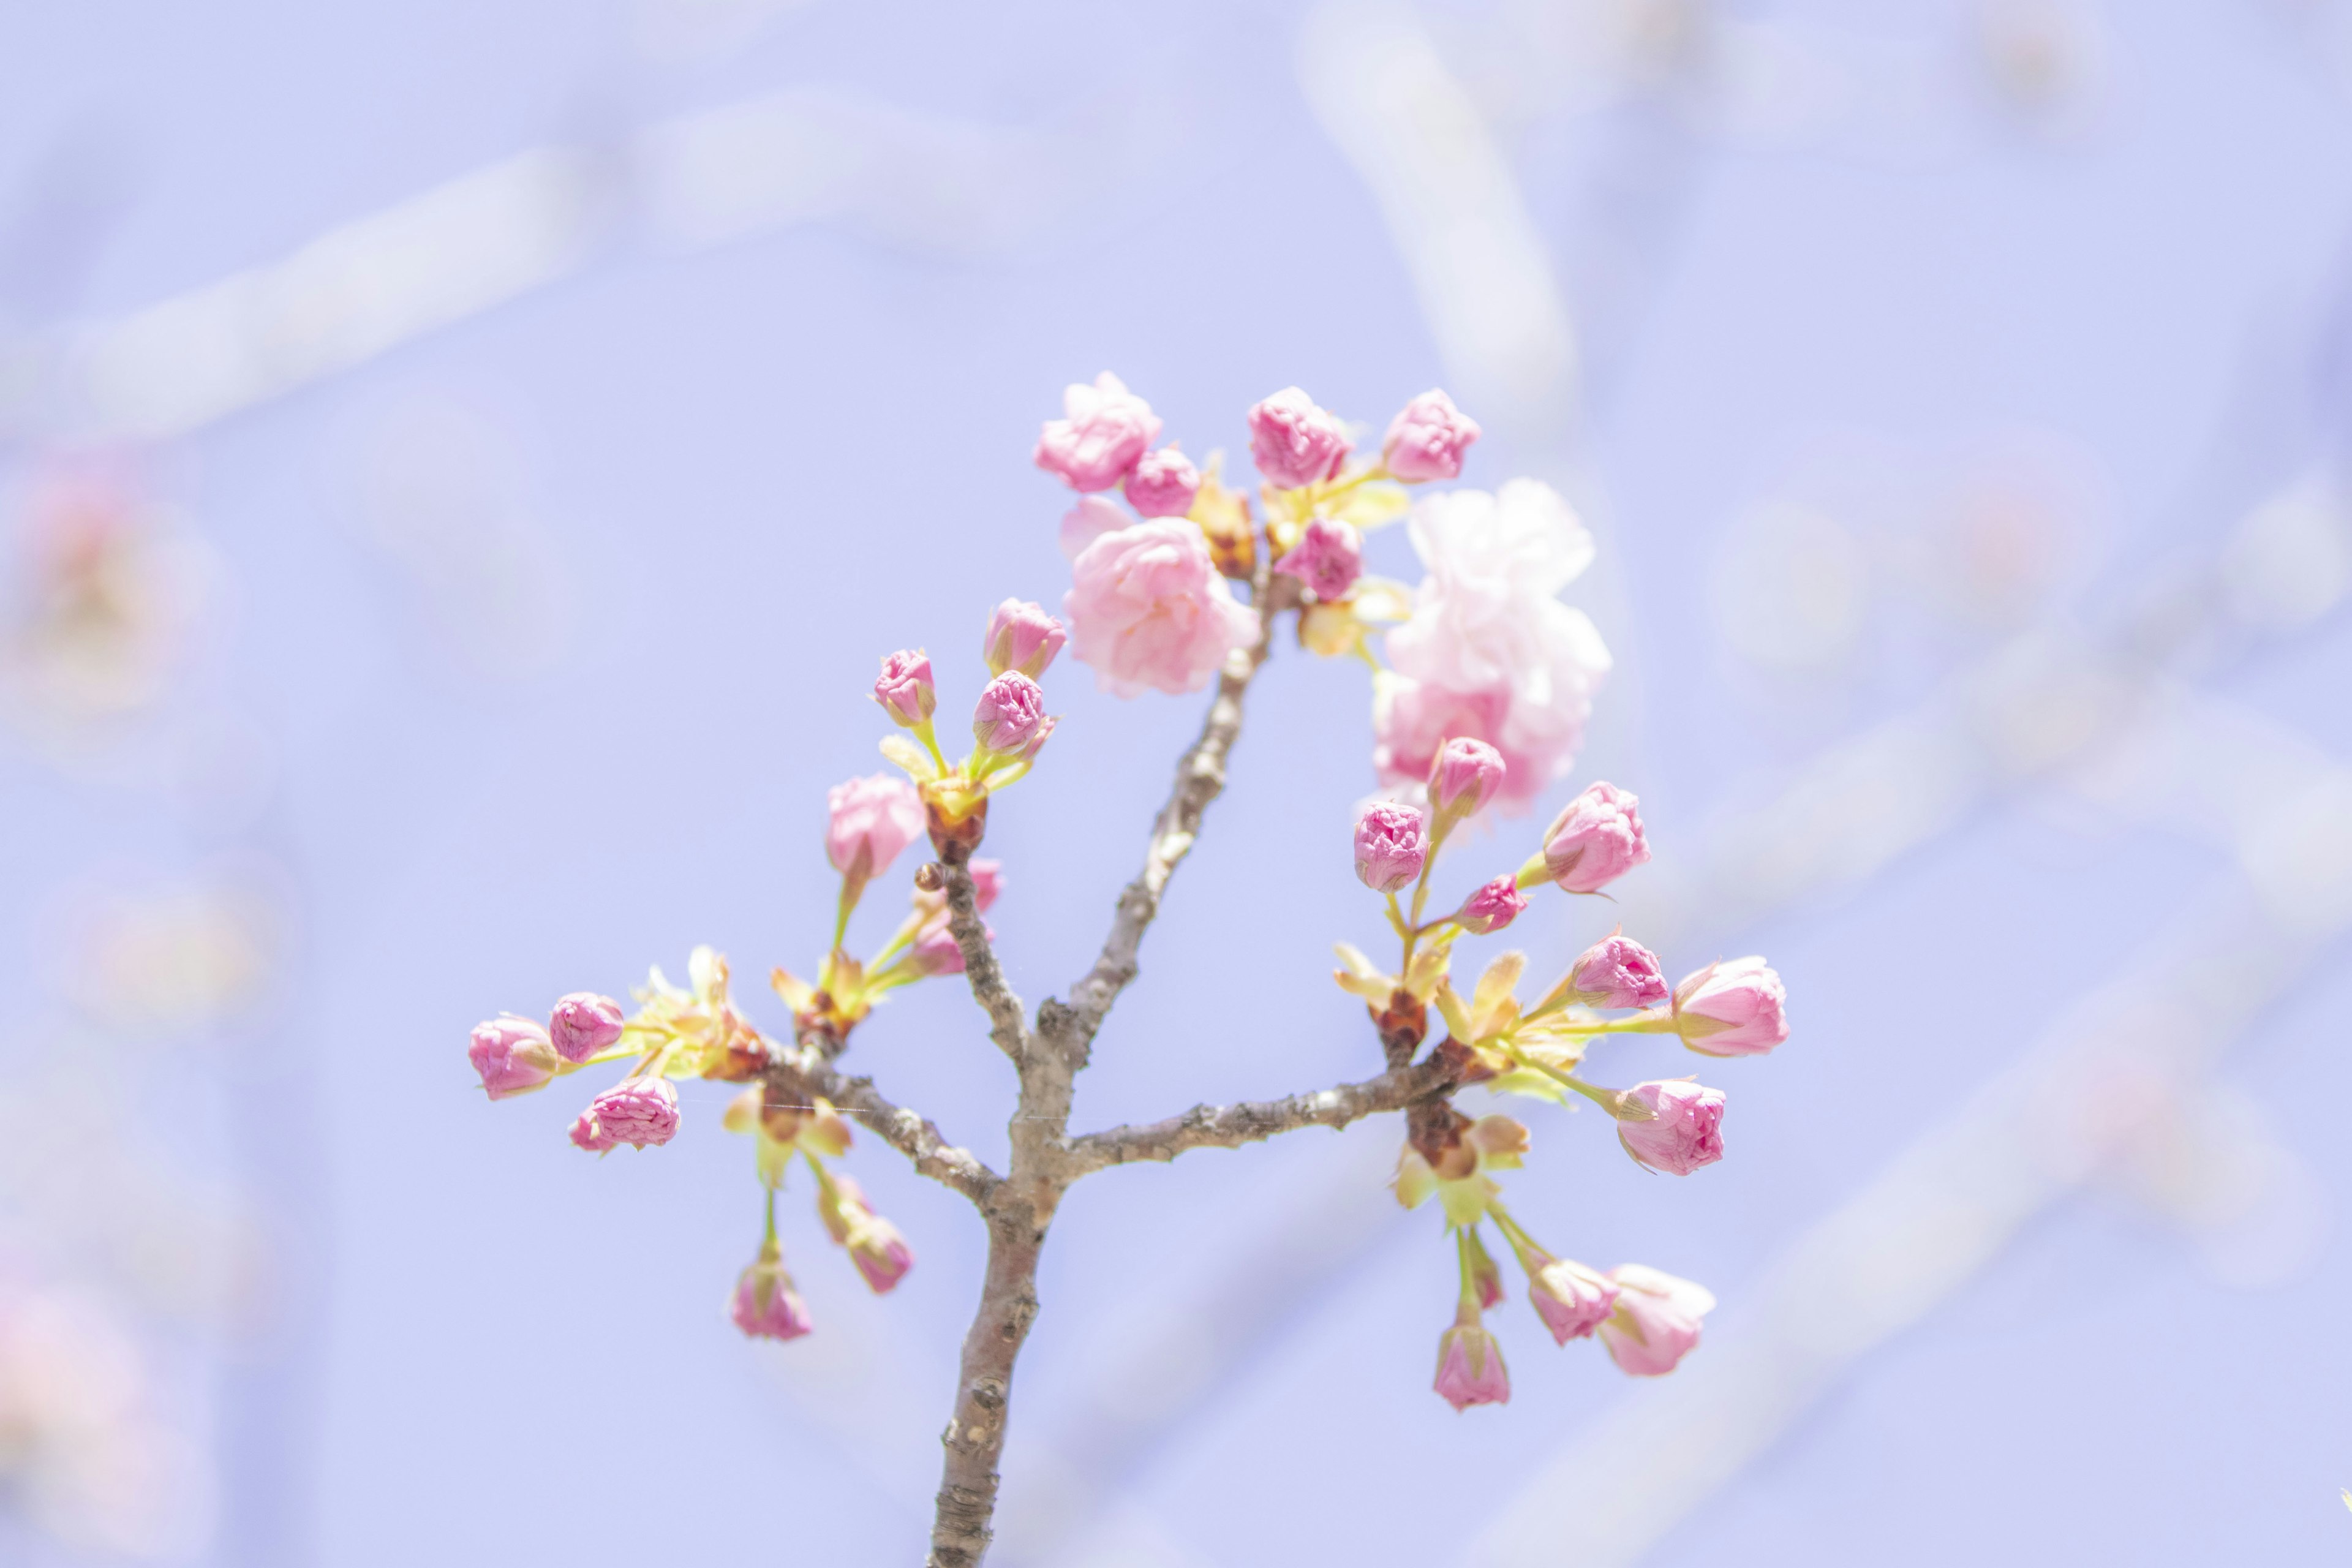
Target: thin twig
{"points": [[1230, 1126], [1008, 1021], [799, 1074]]}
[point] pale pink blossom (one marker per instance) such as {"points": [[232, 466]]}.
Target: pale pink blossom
{"points": [[765, 1306], [1470, 1368], [1616, 972], [583, 1023], [1737, 1008], [869, 820], [1571, 1299], [1467, 774], [1147, 610], [1683, 1130], [1327, 558], [1494, 905], [1162, 484], [1022, 637], [1595, 839], [1088, 520], [904, 688], [1489, 651], [1010, 714], [1106, 429], [1294, 443], [513, 1055], [1656, 1320], [1428, 439], [636, 1111], [1391, 845]]}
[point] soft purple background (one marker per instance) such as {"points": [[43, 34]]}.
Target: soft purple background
{"points": [[764, 464]]}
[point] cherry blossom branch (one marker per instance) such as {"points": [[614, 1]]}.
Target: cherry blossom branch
{"points": [[802, 1075], [1008, 1021], [1200, 779], [1230, 1126]]}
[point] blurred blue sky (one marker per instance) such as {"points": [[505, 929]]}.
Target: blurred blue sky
{"points": [[1929, 363]]}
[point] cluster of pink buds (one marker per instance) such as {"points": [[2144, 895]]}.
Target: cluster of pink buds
{"points": [[1648, 1320], [1009, 725]]}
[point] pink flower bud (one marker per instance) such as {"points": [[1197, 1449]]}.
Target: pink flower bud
{"points": [[1492, 907], [1327, 558], [1617, 973], [583, 1023], [1162, 484], [1294, 443], [1685, 1129], [1470, 1366], [513, 1055], [1107, 429], [636, 1111], [1391, 844], [1428, 439], [1655, 1322], [1465, 775], [1571, 1299], [588, 1134], [765, 1306], [1597, 839], [880, 1253], [1734, 1009], [1010, 714], [1022, 637], [869, 821], [905, 689]]}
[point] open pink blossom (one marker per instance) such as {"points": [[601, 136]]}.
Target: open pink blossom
{"points": [[905, 690], [1470, 1368], [1492, 907], [1656, 1320], [583, 1023], [1737, 1009], [1685, 1129], [1162, 484], [1596, 839], [1010, 714], [1088, 520], [1571, 1299], [638, 1111], [869, 820], [1021, 635], [1391, 845], [1327, 558], [513, 1055], [1616, 972], [1147, 611], [1105, 430], [1294, 443], [765, 1306], [1428, 439]]}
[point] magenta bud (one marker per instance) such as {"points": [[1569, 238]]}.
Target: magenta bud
{"points": [[1010, 714], [1595, 840], [583, 1023], [905, 689], [636, 1111], [1617, 973], [1737, 1008], [1492, 907], [1106, 430], [881, 1255], [1021, 637], [1162, 484], [1391, 845], [1470, 1368], [1327, 558], [1571, 1299], [1683, 1130], [1463, 776], [765, 1306], [1655, 1321], [1294, 443], [513, 1055], [1428, 439]]}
